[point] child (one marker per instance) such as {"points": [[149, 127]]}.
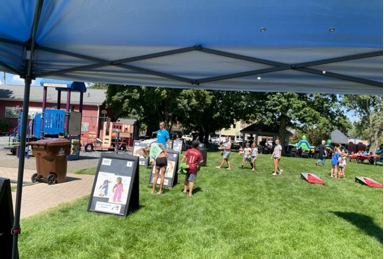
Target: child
{"points": [[226, 147], [342, 163], [104, 189], [254, 154], [117, 190], [157, 157], [276, 158], [194, 161], [247, 156], [334, 160]]}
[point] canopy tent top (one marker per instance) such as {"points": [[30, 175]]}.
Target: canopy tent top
{"points": [[247, 45]]}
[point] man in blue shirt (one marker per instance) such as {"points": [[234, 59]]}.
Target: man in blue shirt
{"points": [[163, 136]]}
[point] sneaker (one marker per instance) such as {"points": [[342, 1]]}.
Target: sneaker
{"points": [[281, 171], [218, 167], [274, 174]]}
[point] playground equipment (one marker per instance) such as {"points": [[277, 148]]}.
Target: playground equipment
{"points": [[114, 136], [55, 123]]}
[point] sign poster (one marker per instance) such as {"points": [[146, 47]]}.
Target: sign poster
{"points": [[177, 145], [170, 177], [137, 146], [116, 184]]}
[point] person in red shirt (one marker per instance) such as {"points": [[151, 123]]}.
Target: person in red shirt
{"points": [[194, 161]]}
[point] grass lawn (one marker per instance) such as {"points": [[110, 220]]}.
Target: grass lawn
{"points": [[232, 214]]}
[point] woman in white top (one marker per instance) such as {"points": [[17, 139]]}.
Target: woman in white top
{"points": [[276, 158]]}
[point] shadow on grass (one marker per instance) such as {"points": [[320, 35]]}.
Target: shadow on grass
{"points": [[363, 222], [133, 209], [196, 190]]}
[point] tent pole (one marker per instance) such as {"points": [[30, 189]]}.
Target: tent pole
{"points": [[30, 47], [23, 134]]}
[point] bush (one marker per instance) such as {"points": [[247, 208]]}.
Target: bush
{"points": [[4, 126]]}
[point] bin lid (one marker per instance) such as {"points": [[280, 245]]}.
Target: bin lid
{"points": [[201, 145], [52, 142]]}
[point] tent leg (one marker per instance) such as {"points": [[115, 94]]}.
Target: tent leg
{"points": [[23, 134]]}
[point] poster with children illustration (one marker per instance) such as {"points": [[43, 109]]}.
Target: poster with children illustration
{"points": [[170, 176], [115, 186], [137, 147]]}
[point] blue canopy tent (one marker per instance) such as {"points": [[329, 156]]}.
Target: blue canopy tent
{"points": [[249, 45]]}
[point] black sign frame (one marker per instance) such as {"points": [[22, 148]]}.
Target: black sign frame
{"points": [[6, 219], [122, 171]]}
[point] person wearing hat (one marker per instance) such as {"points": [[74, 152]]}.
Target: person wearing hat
{"points": [[194, 159], [158, 158]]}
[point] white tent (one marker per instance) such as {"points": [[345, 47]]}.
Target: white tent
{"points": [[306, 46]]}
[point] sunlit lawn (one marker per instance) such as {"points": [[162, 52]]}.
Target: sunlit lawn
{"points": [[232, 214]]}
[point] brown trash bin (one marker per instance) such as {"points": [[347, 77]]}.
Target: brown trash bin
{"points": [[51, 160]]}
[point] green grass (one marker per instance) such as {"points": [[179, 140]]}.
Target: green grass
{"points": [[233, 214]]}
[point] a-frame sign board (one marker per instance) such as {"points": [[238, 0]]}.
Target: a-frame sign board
{"points": [[137, 146], [170, 178], [116, 184], [6, 218]]}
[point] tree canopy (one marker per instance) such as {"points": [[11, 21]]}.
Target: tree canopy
{"points": [[206, 111], [370, 111]]}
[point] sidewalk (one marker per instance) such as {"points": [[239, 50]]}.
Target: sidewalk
{"points": [[41, 196]]}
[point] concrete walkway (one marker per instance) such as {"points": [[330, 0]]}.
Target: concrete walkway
{"points": [[40, 197]]}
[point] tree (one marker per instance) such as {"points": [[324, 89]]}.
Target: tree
{"points": [[319, 113], [225, 107], [370, 111], [98, 86], [197, 110], [153, 104]]}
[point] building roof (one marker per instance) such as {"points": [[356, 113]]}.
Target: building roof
{"points": [[339, 137], [260, 128], [16, 92]]}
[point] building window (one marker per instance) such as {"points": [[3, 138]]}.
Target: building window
{"points": [[84, 126], [11, 112]]}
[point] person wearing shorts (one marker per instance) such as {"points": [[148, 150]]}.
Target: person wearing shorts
{"points": [[247, 156], [158, 158], [254, 154], [194, 159], [276, 158], [226, 147]]}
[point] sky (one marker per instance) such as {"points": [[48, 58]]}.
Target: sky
{"points": [[15, 80]]}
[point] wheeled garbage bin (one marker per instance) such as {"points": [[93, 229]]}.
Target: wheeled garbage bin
{"points": [[51, 160], [203, 151]]}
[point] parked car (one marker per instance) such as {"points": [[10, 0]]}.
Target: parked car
{"points": [[187, 137]]}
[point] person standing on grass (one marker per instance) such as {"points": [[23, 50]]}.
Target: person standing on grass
{"points": [[254, 154], [194, 161], [335, 160], [247, 156], [322, 153], [276, 158], [226, 147], [342, 164], [163, 136], [158, 158]]}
